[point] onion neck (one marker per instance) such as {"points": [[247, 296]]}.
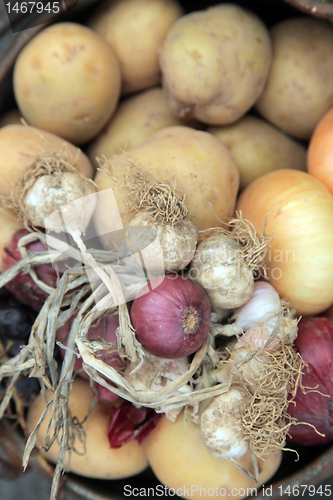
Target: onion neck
{"points": [[190, 320]]}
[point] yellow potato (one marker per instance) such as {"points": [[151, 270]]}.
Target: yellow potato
{"points": [[100, 461], [200, 164], [215, 63], [259, 148], [135, 30], [67, 81], [299, 87], [181, 461], [136, 118], [19, 144]]}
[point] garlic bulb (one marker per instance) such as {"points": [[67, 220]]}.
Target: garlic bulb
{"points": [[221, 427], [262, 307], [178, 242]]}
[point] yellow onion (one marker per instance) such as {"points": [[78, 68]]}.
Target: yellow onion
{"points": [[299, 212]]}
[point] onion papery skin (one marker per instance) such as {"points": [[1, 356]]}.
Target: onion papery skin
{"points": [[23, 286], [315, 344], [299, 211], [159, 315]]}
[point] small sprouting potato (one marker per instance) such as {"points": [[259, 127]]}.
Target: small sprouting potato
{"points": [[19, 145], [181, 461], [215, 63], [201, 167], [99, 461], [67, 81], [135, 30], [136, 118], [298, 91], [258, 148]]}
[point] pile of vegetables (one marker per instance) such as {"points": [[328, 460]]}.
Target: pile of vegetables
{"points": [[153, 280]]}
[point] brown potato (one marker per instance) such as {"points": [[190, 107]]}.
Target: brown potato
{"points": [[67, 81], [259, 148], [100, 461], [136, 118], [299, 87], [200, 164], [215, 63], [135, 30], [181, 461]]}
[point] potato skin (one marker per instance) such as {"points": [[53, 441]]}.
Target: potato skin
{"points": [[179, 459], [136, 118], [135, 30], [298, 91], [215, 63], [67, 81], [19, 144], [202, 167], [100, 461], [258, 148]]}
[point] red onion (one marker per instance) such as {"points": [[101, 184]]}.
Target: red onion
{"points": [[315, 344], [23, 286], [104, 330], [127, 422], [173, 319]]}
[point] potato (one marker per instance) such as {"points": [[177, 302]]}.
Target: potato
{"points": [[200, 164], [299, 87], [136, 118], [67, 81], [135, 30], [19, 144], [215, 63], [181, 461], [100, 461], [259, 148]]}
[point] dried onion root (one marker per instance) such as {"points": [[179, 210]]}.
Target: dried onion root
{"points": [[160, 212], [264, 371]]}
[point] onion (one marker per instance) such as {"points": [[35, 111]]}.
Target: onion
{"points": [[315, 344], [23, 286], [173, 319], [320, 151], [299, 212]]}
